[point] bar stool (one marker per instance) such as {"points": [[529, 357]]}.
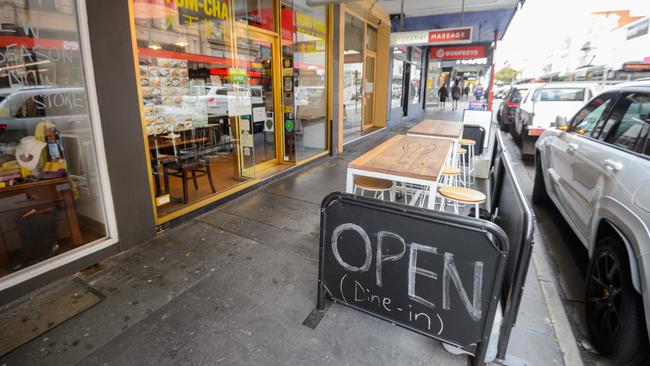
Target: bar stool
{"points": [[461, 195], [470, 157], [379, 187], [460, 162]]}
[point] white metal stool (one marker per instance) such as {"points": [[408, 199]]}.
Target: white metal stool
{"points": [[461, 195], [460, 163], [379, 187], [470, 158]]}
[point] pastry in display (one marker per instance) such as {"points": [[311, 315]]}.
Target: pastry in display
{"points": [[153, 72], [154, 81], [163, 71], [163, 62], [182, 63], [178, 99], [166, 90], [176, 82], [155, 91], [144, 81], [165, 81], [167, 100], [173, 62], [184, 73], [144, 71]]}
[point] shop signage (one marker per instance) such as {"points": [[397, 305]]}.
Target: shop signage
{"points": [[191, 12], [639, 29], [457, 52], [459, 35], [451, 35]]}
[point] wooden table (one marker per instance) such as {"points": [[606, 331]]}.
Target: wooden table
{"points": [[37, 194], [439, 129], [436, 128], [406, 159]]}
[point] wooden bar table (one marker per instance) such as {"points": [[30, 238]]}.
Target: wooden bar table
{"points": [[439, 129], [406, 159]]}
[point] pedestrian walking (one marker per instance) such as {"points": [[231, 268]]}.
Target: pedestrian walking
{"points": [[466, 92], [443, 93], [455, 95], [478, 93]]}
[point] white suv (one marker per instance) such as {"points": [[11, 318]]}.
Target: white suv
{"points": [[541, 104], [596, 169]]}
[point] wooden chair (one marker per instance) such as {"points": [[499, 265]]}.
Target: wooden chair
{"points": [[189, 164], [461, 195]]}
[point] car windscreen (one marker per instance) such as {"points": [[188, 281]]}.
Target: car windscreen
{"points": [[517, 94], [560, 95]]}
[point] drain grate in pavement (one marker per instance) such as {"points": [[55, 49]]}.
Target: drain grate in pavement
{"points": [[33, 316]]}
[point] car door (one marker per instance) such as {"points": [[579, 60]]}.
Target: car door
{"points": [[625, 163], [570, 174]]}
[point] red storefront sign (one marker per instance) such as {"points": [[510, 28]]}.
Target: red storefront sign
{"points": [[451, 35], [457, 52]]}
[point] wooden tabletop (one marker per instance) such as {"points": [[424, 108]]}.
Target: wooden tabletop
{"points": [[406, 156], [432, 127], [35, 184]]}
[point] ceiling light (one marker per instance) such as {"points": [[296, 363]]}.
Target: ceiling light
{"points": [[155, 46]]}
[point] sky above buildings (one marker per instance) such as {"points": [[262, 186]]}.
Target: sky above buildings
{"points": [[540, 27]]}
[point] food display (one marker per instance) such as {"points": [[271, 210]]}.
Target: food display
{"points": [[168, 103]]}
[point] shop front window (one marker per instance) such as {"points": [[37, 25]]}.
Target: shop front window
{"points": [[396, 95], [352, 77], [434, 70], [51, 197], [201, 86], [304, 39], [414, 78]]}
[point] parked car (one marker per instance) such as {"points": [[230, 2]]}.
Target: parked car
{"points": [[596, 169], [510, 104], [540, 107]]}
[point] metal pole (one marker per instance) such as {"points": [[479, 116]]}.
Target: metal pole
{"points": [[491, 90]]}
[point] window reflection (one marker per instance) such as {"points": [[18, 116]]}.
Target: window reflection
{"points": [[50, 195]]}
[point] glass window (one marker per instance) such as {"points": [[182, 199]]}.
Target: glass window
{"points": [[199, 99], [352, 77], [371, 38], [304, 39], [517, 94], [50, 194], [397, 82], [414, 77], [258, 13], [631, 131], [560, 95], [585, 121]]}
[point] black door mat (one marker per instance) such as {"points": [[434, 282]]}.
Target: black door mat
{"points": [[35, 315]]}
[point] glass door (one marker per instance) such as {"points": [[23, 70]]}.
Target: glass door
{"points": [[353, 77], [257, 114], [368, 93]]}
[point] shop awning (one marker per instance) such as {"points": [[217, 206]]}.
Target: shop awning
{"points": [[484, 18]]}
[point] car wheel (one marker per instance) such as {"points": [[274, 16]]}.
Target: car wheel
{"points": [[540, 195], [615, 318]]}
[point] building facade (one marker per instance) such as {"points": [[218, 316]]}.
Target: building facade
{"points": [[118, 118]]}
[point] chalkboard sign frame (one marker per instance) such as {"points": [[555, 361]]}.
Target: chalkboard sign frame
{"points": [[510, 209], [497, 237]]}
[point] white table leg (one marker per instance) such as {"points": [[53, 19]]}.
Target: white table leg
{"points": [[433, 189], [349, 183]]}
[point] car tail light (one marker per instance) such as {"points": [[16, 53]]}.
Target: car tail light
{"points": [[512, 105], [211, 100], [535, 131]]}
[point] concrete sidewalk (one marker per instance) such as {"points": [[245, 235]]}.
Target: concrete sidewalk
{"points": [[234, 285]]}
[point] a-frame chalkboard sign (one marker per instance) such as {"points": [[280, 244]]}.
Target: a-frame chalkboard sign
{"points": [[433, 273]]}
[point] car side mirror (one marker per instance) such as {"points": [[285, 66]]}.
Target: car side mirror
{"points": [[561, 123]]}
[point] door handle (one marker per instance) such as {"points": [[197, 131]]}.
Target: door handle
{"points": [[612, 165], [572, 147]]}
